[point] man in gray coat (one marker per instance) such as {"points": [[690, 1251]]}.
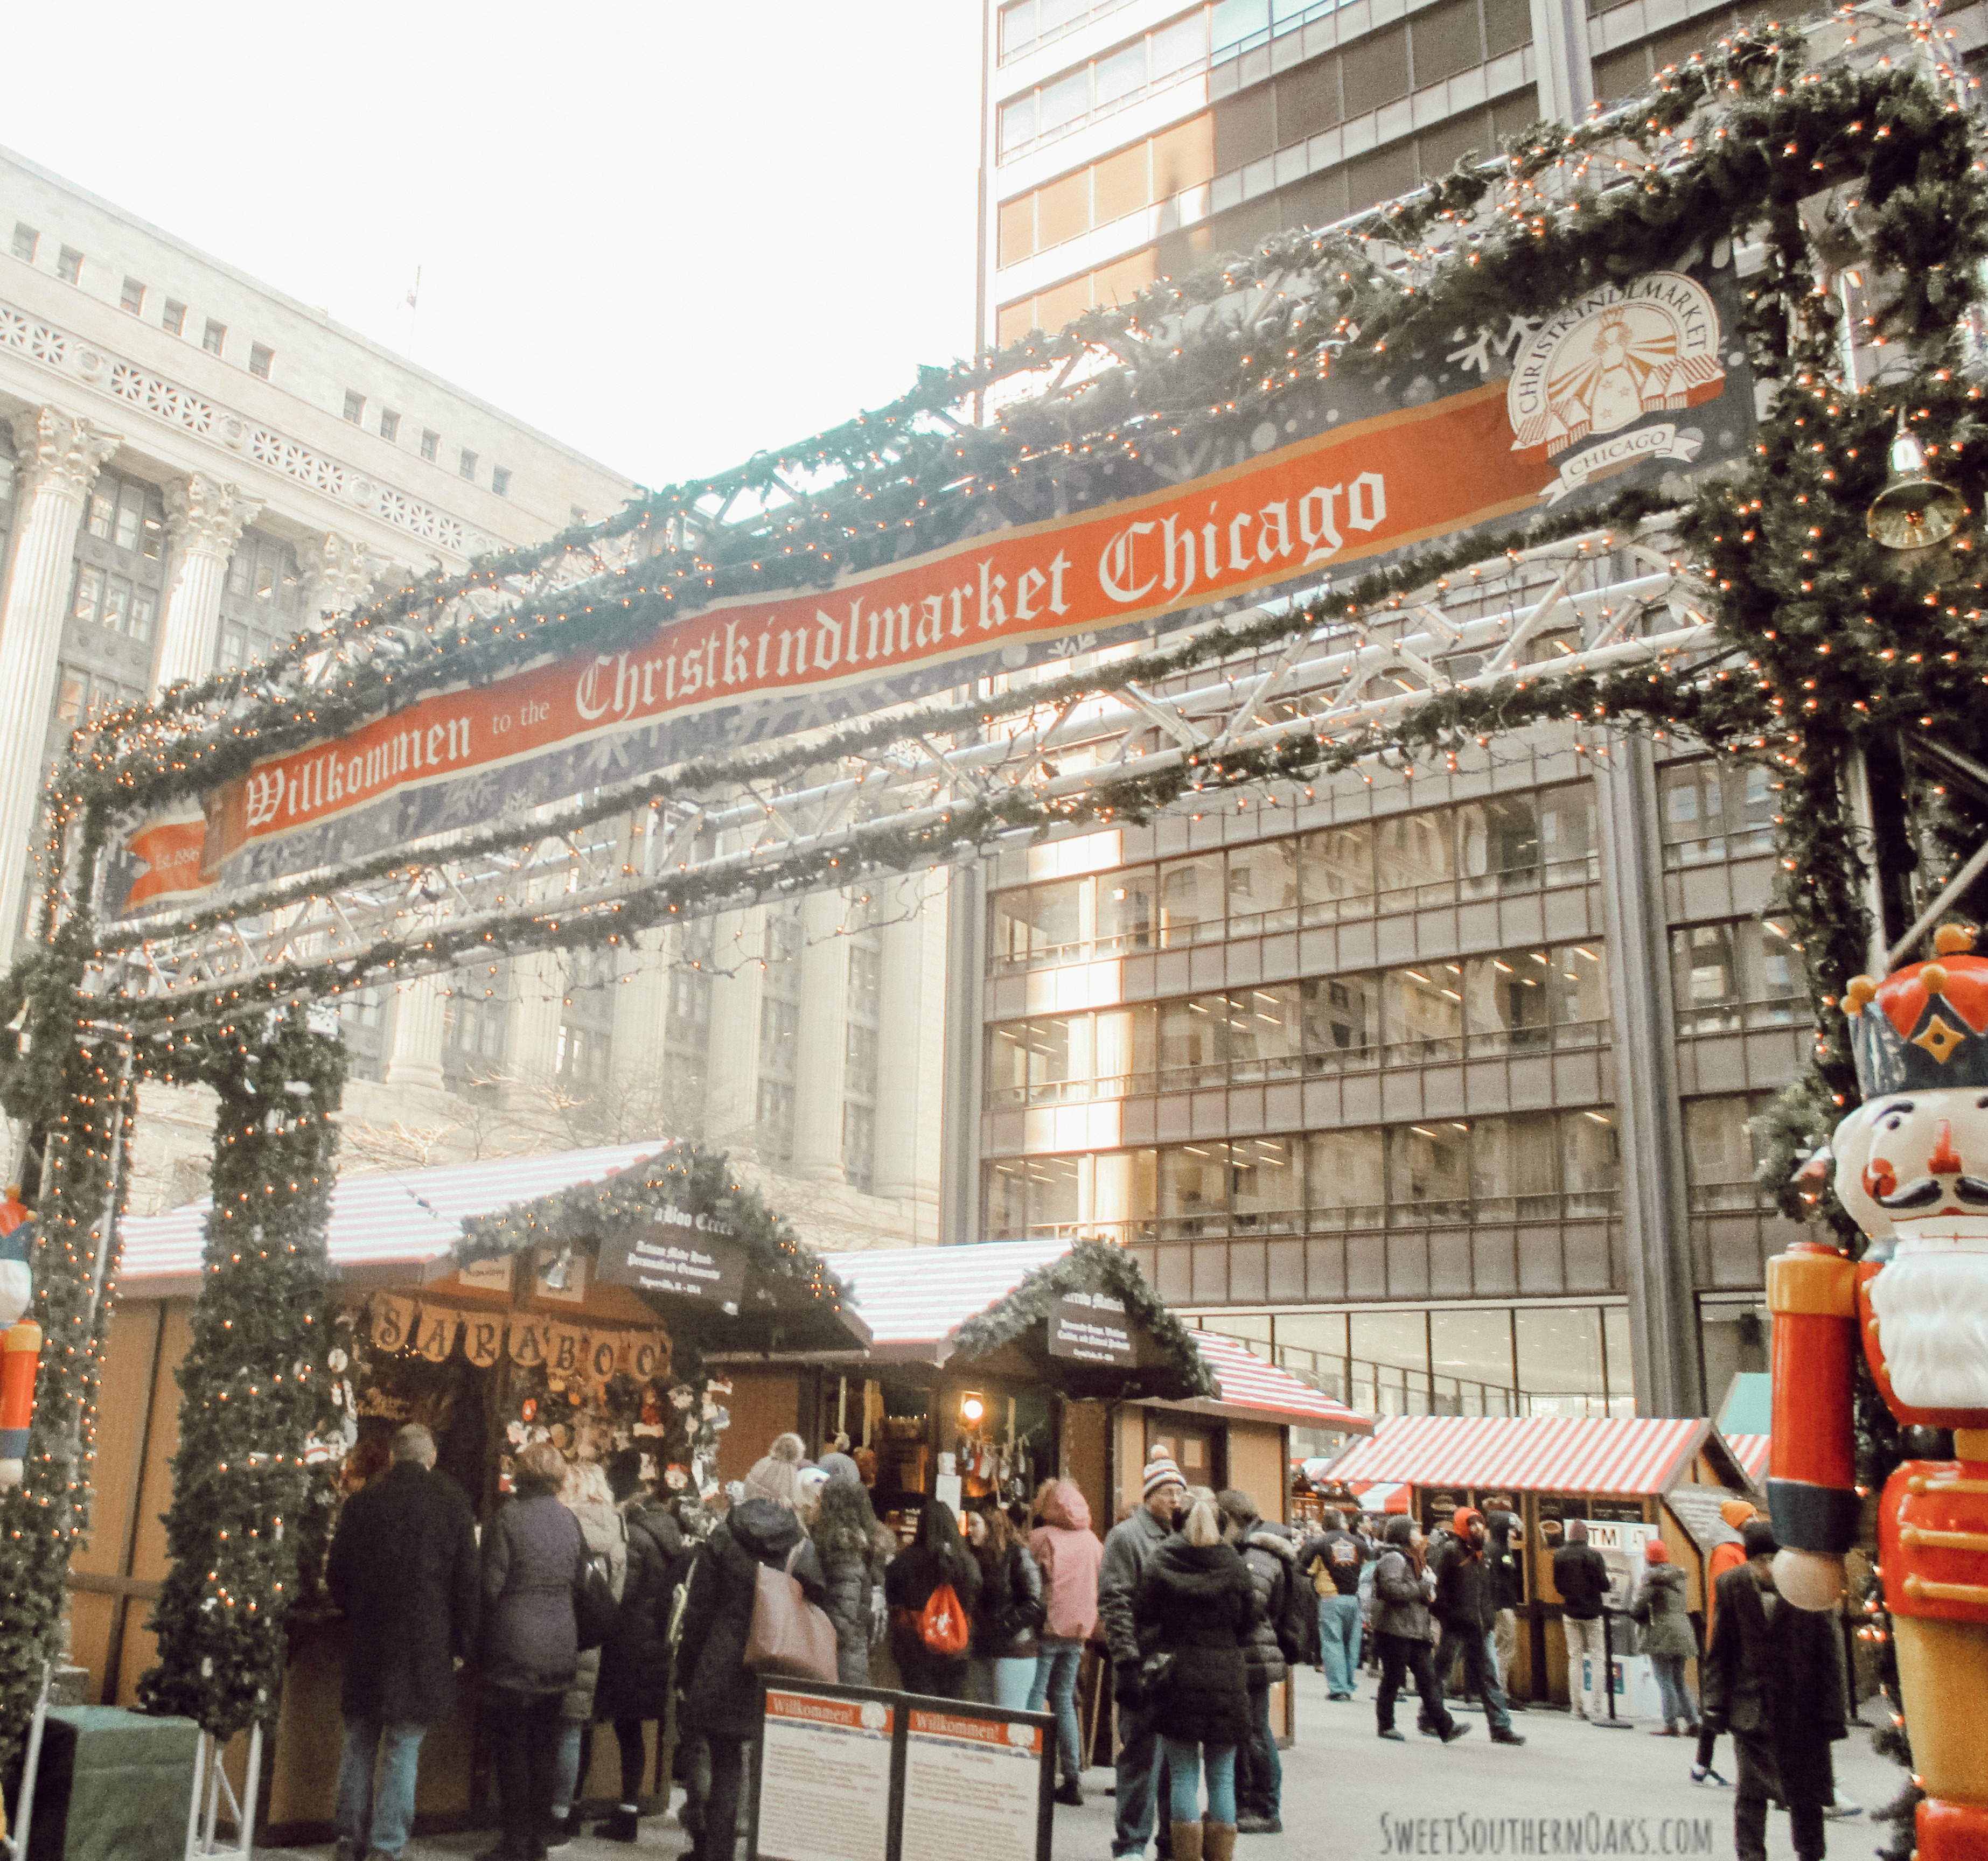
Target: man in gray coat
{"points": [[403, 1572], [1126, 1548]]}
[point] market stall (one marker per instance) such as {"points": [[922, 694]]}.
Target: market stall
{"points": [[569, 1297], [1630, 1478]]}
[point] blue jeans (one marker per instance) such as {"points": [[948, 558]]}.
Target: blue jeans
{"points": [[377, 1819], [1138, 1758], [566, 1769], [1185, 1760], [1263, 1783], [1339, 1641], [1057, 1667], [1674, 1689]]}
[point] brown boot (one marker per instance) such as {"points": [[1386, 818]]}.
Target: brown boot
{"points": [[1218, 1842], [1187, 1841]]}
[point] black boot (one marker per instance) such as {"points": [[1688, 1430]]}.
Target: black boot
{"points": [[623, 1825]]}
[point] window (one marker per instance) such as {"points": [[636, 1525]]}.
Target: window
{"points": [[465, 465], [1716, 810], [584, 1050], [173, 319], [69, 265], [475, 1015], [260, 357], [355, 406], [390, 423], [1159, 168], [1106, 84], [261, 600], [362, 1026], [81, 696], [500, 480], [127, 514], [132, 297], [116, 602], [25, 242], [1719, 1152], [775, 1121], [430, 443], [1428, 1173], [215, 335]]}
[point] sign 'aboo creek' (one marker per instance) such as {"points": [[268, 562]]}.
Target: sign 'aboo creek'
{"points": [[1291, 515]]}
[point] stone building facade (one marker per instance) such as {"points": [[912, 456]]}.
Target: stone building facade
{"points": [[193, 467]]}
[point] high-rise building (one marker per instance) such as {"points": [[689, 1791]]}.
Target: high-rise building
{"points": [[1352, 1075], [1128, 139], [193, 467]]}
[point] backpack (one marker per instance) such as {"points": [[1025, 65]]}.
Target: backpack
{"points": [[941, 1624], [594, 1608]]}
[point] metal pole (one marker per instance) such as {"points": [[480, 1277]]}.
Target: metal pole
{"points": [[24, 1813], [244, 1812], [192, 1801], [213, 1816], [1612, 1723]]}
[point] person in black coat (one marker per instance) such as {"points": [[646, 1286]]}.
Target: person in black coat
{"points": [[1276, 1645], [854, 1550], [1196, 1608], [938, 1554], [635, 1663], [1466, 1605], [403, 1571], [721, 1701], [1773, 1677], [1580, 1575], [1404, 1586], [533, 1554]]}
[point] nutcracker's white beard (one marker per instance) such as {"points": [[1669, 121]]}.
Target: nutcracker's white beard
{"points": [[1931, 1303]]}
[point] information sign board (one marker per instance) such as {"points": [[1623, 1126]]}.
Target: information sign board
{"points": [[1093, 1327], [855, 1774]]}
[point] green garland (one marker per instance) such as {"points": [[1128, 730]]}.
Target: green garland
{"points": [[1095, 1265], [250, 1380]]}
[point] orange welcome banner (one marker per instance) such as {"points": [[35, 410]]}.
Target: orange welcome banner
{"points": [[1349, 493]]}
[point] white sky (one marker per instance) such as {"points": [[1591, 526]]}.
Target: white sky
{"points": [[667, 234]]}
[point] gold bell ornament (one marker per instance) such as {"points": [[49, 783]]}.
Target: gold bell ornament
{"points": [[1914, 511]]}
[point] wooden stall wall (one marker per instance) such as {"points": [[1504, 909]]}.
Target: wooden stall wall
{"points": [[1086, 1456], [763, 1402]]}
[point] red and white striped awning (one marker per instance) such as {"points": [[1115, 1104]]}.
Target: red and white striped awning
{"points": [[387, 1217], [1249, 1382], [916, 1296], [1380, 1496], [1631, 1455], [1752, 1450]]}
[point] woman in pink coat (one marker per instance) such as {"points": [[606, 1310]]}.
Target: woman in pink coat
{"points": [[1070, 1554]]}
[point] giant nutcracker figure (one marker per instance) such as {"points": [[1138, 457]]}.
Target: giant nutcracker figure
{"points": [[20, 1337], [1912, 1168]]}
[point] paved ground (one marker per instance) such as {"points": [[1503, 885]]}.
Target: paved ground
{"points": [[1349, 1795]]}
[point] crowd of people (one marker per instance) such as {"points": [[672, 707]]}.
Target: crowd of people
{"points": [[591, 1601]]}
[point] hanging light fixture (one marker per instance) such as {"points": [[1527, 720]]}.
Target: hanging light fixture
{"points": [[1914, 511]]}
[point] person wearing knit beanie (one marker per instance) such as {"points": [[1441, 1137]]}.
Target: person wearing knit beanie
{"points": [[777, 1477], [1128, 1547], [1728, 1556], [1656, 1551], [1757, 1536]]}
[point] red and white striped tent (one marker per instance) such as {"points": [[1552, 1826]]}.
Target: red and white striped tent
{"points": [[1253, 1387], [1752, 1450], [1629, 1456]]}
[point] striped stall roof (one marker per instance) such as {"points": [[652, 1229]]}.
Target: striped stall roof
{"points": [[389, 1217], [1249, 1382], [913, 1296], [1752, 1450], [1627, 1454]]}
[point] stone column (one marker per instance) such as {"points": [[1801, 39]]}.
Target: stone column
{"points": [[1663, 1314], [821, 1061], [413, 1057], [531, 1046], [732, 1101], [336, 574], [57, 458], [205, 518], [643, 1092], [965, 997]]}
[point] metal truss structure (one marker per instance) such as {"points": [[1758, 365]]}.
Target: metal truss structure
{"points": [[1596, 603]]}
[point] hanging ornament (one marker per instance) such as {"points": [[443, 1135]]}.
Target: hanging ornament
{"points": [[1914, 513]]}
